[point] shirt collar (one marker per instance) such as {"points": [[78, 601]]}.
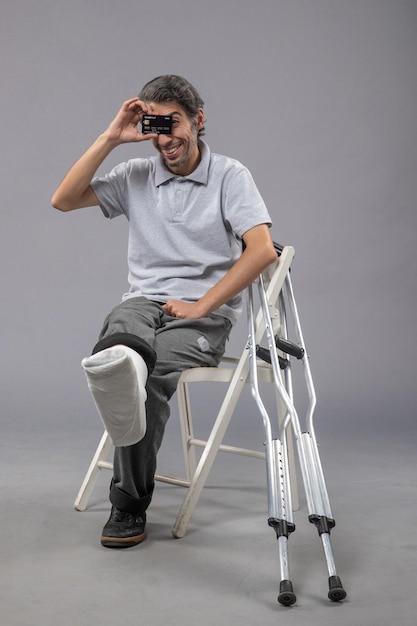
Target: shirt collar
{"points": [[199, 175]]}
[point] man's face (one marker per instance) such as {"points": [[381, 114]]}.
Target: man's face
{"points": [[179, 150]]}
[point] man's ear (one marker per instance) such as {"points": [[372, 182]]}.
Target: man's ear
{"points": [[200, 119]]}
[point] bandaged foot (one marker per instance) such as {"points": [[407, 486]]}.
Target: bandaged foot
{"points": [[116, 378]]}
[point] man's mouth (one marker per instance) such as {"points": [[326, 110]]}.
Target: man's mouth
{"points": [[170, 152]]}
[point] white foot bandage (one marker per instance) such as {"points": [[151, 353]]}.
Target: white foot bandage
{"points": [[117, 377]]}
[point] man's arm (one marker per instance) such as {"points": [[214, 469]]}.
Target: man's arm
{"points": [[258, 254], [75, 191]]}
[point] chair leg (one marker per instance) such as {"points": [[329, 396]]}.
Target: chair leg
{"points": [[93, 472], [210, 450], [186, 429]]}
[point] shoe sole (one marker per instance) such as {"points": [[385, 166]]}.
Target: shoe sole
{"points": [[121, 542]]}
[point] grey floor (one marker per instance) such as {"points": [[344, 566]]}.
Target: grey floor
{"points": [[225, 570]]}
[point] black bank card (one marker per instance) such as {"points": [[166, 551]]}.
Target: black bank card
{"points": [[160, 124]]}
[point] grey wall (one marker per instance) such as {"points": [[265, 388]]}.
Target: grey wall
{"points": [[337, 168]]}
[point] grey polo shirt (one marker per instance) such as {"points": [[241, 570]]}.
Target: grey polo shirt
{"points": [[185, 232]]}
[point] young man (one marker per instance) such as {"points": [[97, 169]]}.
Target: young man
{"points": [[190, 211]]}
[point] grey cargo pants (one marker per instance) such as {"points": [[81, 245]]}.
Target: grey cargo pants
{"points": [[179, 345]]}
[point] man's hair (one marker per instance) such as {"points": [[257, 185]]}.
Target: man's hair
{"points": [[173, 88]]}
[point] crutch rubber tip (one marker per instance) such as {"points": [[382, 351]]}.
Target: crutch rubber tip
{"points": [[286, 595], [336, 591]]}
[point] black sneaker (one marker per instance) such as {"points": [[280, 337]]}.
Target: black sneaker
{"points": [[123, 529]]}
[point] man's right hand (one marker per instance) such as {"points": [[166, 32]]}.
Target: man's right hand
{"points": [[75, 192], [123, 128]]}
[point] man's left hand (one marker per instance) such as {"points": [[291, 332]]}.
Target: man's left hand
{"points": [[184, 310]]}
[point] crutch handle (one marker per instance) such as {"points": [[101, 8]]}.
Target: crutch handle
{"points": [[289, 347], [265, 355]]}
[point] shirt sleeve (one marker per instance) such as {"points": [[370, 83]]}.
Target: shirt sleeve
{"points": [[111, 192], [243, 205]]}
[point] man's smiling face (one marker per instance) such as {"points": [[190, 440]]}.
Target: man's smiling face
{"points": [[179, 150]]}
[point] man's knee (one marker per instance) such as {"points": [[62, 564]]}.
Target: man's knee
{"points": [[132, 341]]}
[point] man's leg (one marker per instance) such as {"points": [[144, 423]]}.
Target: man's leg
{"points": [[118, 369], [179, 345]]}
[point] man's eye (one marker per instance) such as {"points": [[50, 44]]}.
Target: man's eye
{"points": [[175, 122]]}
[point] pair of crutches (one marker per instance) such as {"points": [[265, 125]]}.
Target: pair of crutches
{"points": [[280, 511]]}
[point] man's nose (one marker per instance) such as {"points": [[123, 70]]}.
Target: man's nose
{"points": [[164, 139]]}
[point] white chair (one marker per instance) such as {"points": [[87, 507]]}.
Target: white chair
{"points": [[234, 372]]}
